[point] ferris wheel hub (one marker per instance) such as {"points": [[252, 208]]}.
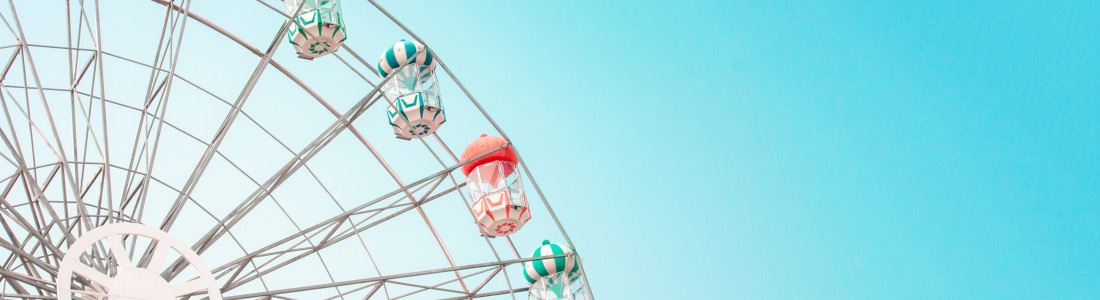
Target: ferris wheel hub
{"points": [[139, 283], [132, 280]]}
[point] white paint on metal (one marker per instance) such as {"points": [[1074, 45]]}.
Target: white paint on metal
{"points": [[132, 282]]}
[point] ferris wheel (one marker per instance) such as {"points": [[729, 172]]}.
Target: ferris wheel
{"points": [[176, 149]]}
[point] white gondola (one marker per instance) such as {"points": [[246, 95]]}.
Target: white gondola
{"points": [[414, 109], [500, 206], [322, 28]]}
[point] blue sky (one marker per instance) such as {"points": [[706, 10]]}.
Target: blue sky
{"points": [[801, 150], [696, 150]]}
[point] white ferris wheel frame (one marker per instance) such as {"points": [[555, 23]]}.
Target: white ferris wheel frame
{"points": [[236, 271]]}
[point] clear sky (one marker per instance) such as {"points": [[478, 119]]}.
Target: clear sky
{"points": [[801, 150], [692, 150]]}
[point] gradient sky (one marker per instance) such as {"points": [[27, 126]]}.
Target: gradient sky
{"points": [[801, 150], [700, 150]]}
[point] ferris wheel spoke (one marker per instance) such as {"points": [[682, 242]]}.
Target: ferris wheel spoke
{"points": [[480, 268], [94, 36], [27, 258], [88, 186], [106, 151], [348, 292], [374, 290], [59, 151], [30, 123], [487, 280], [437, 285], [268, 266], [91, 274], [97, 295], [246, 205], [8, 24], [362, 61], [10, 160], [336, 220], [189, 287], [297, 162], [264, 190], [207, 156], [79, 75], [16, 280], [424, 288], [71, 71], [259, 53], [118, 252], [33, 232], [88, 132], [272, 253], [420, 211], [37, 202], [10, 280], [165, 86], [490, 294], [156, 261]]}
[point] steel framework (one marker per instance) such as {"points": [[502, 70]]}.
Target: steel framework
{"points": [[69, 183]]}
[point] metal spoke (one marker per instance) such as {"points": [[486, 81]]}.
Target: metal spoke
{"points": [[188, 288], [92, 274], [224, 128], [334, 221], [167, 87], [118, 252], [59, 151], [387, 278]]}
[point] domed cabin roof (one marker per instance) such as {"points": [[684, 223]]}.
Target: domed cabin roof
{"points": [[483, 144], [403, 51], [537, 269]]}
